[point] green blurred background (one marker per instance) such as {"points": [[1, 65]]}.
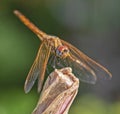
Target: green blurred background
{"points": [[92, 26]]}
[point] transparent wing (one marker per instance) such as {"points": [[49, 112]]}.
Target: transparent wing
{"points": [[84, 73], [44, 56], [83, 66], [38, 67]]}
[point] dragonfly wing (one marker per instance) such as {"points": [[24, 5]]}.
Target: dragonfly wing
{"points": [[37, 67], [80, 69], [44, 57], [33, 73], [91, 67]]}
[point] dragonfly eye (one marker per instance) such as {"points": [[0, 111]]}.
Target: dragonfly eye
{"points": [[65, 51], [62, 51]]}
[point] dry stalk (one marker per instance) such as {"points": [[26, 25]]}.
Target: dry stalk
{"points": [[58, 92]]}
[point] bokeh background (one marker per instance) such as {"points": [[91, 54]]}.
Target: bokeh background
{"points": [[93, 26]]}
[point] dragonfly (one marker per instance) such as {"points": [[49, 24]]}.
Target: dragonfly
{"points": [[58, 53]]}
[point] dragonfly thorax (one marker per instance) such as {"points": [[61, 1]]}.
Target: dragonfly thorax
{"points": [[62, 51]]}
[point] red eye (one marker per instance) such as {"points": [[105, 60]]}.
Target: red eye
{"points": [[62, 48]]}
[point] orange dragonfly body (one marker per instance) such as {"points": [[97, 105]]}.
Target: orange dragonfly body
{"points": [[58, 54]]}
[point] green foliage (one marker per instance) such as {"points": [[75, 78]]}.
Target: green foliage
{"points": [[15, 101], [89, 104]]}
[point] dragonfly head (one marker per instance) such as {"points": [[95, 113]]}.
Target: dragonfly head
{"points": [[62, 51]]}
